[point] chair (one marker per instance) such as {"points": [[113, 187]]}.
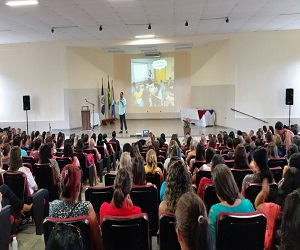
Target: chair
{"points": [[28, 159], [83, 223], [167, 233], [98, 195], [109, 178], [87, 172], [198, 164], [45, 178], [277, 173], [277, 162], [59, 153], [229, 163], [63, 161], [161, 159], [163, 152], [210, 197], [146, 197], [5, 227], [202, 173], [239, 175], [114, 156], [236, 231], [161, 166], [125, 232], [154, 179], [252, 190], [17, 181], [144, 153], [225, 156], [99, 164], [106, 161], [276, 238], [5, 166]]}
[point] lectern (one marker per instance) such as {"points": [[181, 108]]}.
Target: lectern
{"points": [[85, 118]]}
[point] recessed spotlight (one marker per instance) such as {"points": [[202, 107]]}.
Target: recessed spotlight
{"points": [[52, 30], [100, 28], [145, 36], [186, 23], [227, 20], [149, 26], [21, 3]]}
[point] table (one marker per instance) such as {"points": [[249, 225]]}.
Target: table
{"points": [[200, 117]]}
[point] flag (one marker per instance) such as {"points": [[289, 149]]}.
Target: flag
{"points": [[108, 96], [113, 106], [102, 99]]}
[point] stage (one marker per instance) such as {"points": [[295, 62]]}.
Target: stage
{"points": [[157, 126]]}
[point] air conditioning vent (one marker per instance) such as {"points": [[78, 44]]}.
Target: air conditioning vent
{"points": [[152, 54]]}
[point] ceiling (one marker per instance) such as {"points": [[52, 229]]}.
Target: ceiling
{"points": [[79, 21]]}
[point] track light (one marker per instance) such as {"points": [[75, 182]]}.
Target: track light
{"points": [[227, 20], [100, 28], [52, 30], [149, 26], [186, 23]]}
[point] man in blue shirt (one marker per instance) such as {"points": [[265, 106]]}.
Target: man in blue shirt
{"points": [[122, 110]]}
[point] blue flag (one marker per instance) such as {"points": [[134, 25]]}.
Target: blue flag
{"points": [[102, 102]]}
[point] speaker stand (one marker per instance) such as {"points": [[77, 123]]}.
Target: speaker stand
{"points": [[27, 121], [289, 116]]}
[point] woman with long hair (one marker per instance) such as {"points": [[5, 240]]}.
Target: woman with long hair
{"points": [[45, 156], [178, 182], [240, 157], [261, 169], [151, 165], [138, 172], [69, 206], [229, 196], [121, 204], [192, 225], [272, 151]]}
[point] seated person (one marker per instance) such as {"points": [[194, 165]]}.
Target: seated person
{"points": [[229, 196], [151, 165], [138, 172], [121, 204], [294, 161], [69, 206], [36, 148], [192, 225], [217, 159]]}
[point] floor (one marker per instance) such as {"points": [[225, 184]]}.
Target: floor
{"points": [[27, 239]]}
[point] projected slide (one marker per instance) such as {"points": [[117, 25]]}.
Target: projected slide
{"points": [[152, 82]]}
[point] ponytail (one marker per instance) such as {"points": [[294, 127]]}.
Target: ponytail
{"points": [[203, 235], [70, 181], [122, 186]]}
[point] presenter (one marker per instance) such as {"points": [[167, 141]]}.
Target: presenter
{"points": [[122, 110]]}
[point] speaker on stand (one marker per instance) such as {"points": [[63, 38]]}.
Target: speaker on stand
{"points": [[26, 107], [289, 100]]}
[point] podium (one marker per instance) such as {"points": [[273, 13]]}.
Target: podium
{"points": [[85, 118]]}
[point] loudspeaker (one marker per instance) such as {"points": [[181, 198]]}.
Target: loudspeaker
{"points": [[26, 102], [289, 97]]}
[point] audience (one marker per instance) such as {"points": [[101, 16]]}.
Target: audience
{"points": [[45, 157], [151, 165]]}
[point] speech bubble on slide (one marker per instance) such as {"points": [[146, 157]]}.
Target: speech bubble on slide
{"points": [[159, 64]]}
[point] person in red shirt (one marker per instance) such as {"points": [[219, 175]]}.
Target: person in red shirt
{"points": [[121, 204], [217, 159]]}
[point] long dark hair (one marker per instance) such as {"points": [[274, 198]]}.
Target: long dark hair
{"points": [[122, 186], [200, 152], [240, 157], [260, 156], [192, 222], [45, 154], [138, 171], [68, 151]]}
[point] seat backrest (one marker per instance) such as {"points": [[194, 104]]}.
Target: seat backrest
{"points": [[82, 158], [101, 151], [202, 173], [146, 197], [83, 223], [241, 231], [154, 179], [5, 227], [63, 161], [125, 232], [29, 159], [239, 175], [277, 162], [17, 183], [229, 163], [167, 233], [5, 166], [161, 159], [114, 145], [45, 178], [98, 195], [210, 197], [277, 173], [91, 151], [59, 153], [253, 189], [198, 164], [109, 178]]}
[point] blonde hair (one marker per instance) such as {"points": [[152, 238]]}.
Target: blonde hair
{"points": [[277, 140], [203, 138], [171, 144], [151, 159], [194, 144], [125, 160], [92, 143]]}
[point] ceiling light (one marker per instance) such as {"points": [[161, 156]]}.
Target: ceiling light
{"points": [[145, 36], [52, 30], [149, 26], [227, 20], [100, 28], [21, 3], [186, 23]]}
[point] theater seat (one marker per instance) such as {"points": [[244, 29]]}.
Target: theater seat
{"points": [[241, 231], [253, 189], [5, 227], [83, 223], [126, 232], [167, 233]]}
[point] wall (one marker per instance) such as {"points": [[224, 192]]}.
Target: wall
{"points": [[248, 72]]}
